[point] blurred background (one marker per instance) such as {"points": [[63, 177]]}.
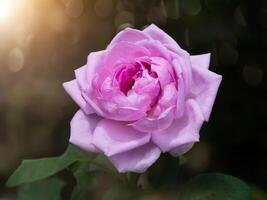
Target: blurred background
{"points": [[42, 42]]}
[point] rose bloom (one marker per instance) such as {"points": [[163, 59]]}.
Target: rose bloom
{"points": [[141, 96]]}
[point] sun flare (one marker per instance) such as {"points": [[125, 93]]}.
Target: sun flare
{"points": [[5, 8]]}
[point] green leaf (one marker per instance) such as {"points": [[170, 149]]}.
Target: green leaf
{"points": [[164, 173], [81, 189], [215, 187], [41, 190], [101, 163], [33, 170]]}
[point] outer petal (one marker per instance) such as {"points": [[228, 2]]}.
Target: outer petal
{"points": [[114, 137], [157, 34], [150, 124], [181, 90], [183, 62], [182, 131], [205, 85], [82, 128], [181, 149], [81, 78], [202, 60], [136, 160], [94, 66], [73, 89], [129, 35]]}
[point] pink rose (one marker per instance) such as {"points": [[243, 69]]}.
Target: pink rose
{"points": [[141, 96]]}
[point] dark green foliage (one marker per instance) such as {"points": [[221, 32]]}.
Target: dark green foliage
{"points": [[124, 186], [42, 190], [83, 179], [159, 175], [33, 170], [215, 187]]}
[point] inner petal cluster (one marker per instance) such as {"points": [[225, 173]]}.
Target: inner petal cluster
{"points": [[138, 77]]}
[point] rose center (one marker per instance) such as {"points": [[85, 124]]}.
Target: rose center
{"points": [[127, 74]]}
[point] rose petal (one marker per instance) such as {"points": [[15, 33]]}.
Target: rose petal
{"points": [[123, 52], [139, 101], [149, 86], [114, 137], [204, 89], [168, 98], [182, 131], [129, 35], [148, 124], [124, 113], [95, 65], [181, 149], [163, 69], [184, 65], [181, 90], [136, 160], [117, 106], [93, 104], [155, 48], [82, 128], [157, 34], [81, 78], [73, 89], [202, 60]]}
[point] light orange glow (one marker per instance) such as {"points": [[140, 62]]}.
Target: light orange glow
{"points": [[5, 8]]}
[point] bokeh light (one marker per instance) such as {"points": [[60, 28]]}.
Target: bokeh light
{"points": [[252, 75], [191, 7], [74, 8], [124, 17], [124, 26], [42, 42], [156, 15], [104, 8], [5, 8], [15, 60]]}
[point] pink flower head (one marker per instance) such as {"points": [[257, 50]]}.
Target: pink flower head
{"points": [[141, 96]]}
